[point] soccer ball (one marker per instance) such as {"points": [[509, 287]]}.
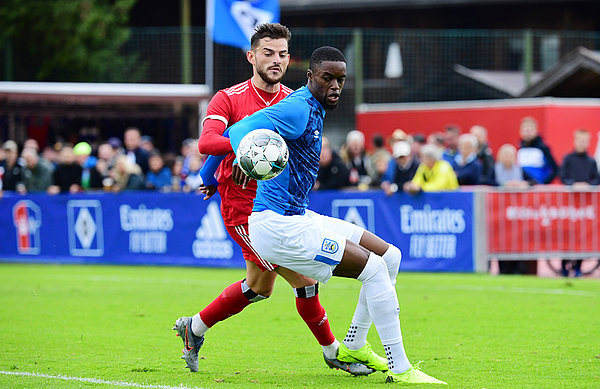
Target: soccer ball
{"points": [[262, 154]]}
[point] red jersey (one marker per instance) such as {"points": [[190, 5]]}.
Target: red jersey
{"points": [[229, 106]]}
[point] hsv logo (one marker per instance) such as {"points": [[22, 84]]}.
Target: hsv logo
{"points": [[86, 234], [330, 246], [27, 219]]}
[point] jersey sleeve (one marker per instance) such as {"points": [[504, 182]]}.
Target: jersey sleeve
{"points": [[289, 117], [218, 116]]}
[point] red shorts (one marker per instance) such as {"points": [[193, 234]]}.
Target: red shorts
{"points": [[241, 237]]}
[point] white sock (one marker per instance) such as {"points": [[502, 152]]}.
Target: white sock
{"points": [[383, 307], [396, 356], [331, 350], [198, 326], [356, 337], [361, 322]]}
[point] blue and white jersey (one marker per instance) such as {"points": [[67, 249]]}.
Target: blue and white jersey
{"points": [[299, 120]]}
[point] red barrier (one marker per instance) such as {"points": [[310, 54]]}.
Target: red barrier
{"points": [[546, 221], [557, 119]]}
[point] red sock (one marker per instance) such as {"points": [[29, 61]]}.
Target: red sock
{"points": [[313, 313], [231, 301]]}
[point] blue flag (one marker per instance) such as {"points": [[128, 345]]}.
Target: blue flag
{"points": [[235, 20]]}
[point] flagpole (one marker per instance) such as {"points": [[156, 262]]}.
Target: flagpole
{"points": [[208, 45]]}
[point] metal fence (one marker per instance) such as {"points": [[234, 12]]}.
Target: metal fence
{"points": [[385, 65]]}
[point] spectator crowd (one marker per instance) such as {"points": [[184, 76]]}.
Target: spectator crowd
{"points": [[450, 159], [115, 165], [411, 163]]}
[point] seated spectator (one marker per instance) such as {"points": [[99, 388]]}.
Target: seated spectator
{"points": [[37, 175], [67, 175], [506, 170], [484, 154], [466, 165], [127, 175], [354, 155], [12, 171], [159, 176], [401, 168], [534, 155], [193, 179], [397, 136], [333, 173], [579, 170], [189, 148], [433, 175], [90, 176]]}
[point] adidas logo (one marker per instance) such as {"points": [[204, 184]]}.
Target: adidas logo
{"points": [[211, 238]]}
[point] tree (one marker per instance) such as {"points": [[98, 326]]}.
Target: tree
{"points": [[67, 40]]}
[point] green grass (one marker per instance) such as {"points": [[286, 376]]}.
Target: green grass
{"points": [[114, 323]]}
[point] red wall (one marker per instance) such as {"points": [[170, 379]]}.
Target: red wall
{"points": [[557, 119]]}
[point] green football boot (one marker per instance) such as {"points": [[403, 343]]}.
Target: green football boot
{"points": [[364, 355]]}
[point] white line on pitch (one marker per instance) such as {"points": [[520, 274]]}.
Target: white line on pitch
{"points": [[94, 380]]}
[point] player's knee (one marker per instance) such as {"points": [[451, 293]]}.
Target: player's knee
{"points": [[307, 292], [393, 257], [254, 294]]}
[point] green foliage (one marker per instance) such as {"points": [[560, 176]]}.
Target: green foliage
{"points": [[114, 324], [68, 40]]}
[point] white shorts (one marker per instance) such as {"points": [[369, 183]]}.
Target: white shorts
{"points": [[310, 244]]}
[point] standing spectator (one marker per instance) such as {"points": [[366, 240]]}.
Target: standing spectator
{"points": [[107, 156], [506, 170], [37, 174], [355, 157], [136, 155], [418, 142], [333, 173], [159, 176], [436, 139], [534, 156], [177, 183], [380, 158], [579, 170], [401, 168], [90, 176], [127, 175], [193, 180], [147, 143], [67, 175], [466, 164], [12, 170], [433, 175], [189, 148], [451, 134], [484, 154]]}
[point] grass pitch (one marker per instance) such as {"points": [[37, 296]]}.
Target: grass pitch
{"points": [[114, 324]]}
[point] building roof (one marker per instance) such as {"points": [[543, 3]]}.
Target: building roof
{"points": [[82, 92], [513, 83], [312, 5], [575, 75]]}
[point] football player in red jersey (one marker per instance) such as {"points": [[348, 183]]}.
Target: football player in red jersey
{"points": [[269, 58]]}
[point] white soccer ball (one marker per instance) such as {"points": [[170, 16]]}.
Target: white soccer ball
{"points": [[262, 154]]}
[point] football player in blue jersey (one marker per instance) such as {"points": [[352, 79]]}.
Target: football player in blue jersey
{"points": [[283, 231]]}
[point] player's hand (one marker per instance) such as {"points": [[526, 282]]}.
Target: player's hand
{"points": [[239, 177], [208, 190]]}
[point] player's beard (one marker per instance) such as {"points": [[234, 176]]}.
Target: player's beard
{"points": [[263, 73]]}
